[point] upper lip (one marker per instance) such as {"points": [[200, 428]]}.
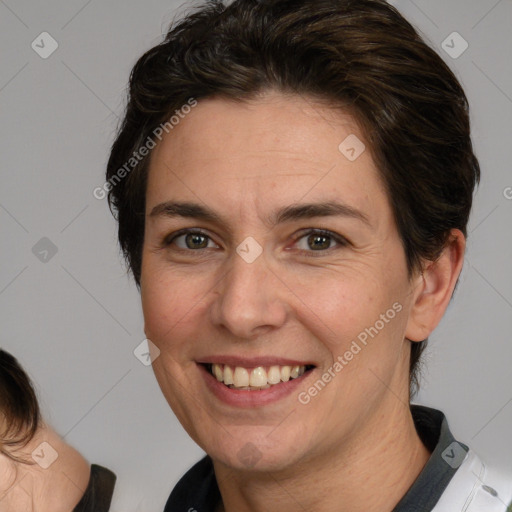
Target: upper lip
{"points": [[252, 362]]}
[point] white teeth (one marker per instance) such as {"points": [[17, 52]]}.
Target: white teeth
{"points": [[228, 375], [256, 378], [241, 377], [274, 375], [217, 371]]}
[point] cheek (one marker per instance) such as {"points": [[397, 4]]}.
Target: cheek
{"points": [[172, 303], [345, 305], [361, 319], [160, 302]]}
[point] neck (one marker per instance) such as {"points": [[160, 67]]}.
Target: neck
{"points": [[370, 473], [30, 487]]}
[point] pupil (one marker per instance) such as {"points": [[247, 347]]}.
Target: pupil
{"points": [[195, 238], [315, 238]]}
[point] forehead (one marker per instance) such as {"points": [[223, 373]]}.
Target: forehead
{"points": [[278, 148]]}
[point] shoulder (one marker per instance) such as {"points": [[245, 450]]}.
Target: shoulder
{"points": [[455, 478], [477, 486], [197, 486], [98, 495]]}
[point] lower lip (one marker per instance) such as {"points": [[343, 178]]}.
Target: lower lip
{"points": [[249, 399]]}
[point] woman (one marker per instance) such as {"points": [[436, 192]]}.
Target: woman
{"points": [[292, 182], [38, 470]]}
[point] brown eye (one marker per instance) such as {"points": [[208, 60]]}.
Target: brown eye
{"points": [[196, 241], [317, 240], [190, 240]]}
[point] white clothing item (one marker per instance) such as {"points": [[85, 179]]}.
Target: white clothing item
{"points": [[476, 488]]}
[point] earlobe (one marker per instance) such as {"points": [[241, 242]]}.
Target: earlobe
{"points": [[434, 287]]}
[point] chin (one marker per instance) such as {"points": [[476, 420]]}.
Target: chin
{"points": [[256, 449]]}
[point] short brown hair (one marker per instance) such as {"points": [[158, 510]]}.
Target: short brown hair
{"points": [[361, 56]]}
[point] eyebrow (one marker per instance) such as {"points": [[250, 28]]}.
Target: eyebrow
{"points": [[172, 209]]}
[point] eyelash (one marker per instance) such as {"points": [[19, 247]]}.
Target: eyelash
{"points": [[342, 242]]}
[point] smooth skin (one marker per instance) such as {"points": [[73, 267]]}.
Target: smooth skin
{"points": [[33, 488], [354, 446]]}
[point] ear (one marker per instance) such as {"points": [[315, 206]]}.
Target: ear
{"points": [[433, 288]]}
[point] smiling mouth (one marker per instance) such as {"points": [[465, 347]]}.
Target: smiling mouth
{"points": [[255, 379]]}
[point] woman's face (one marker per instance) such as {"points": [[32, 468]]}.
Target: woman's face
{"points": [[267, 282]]}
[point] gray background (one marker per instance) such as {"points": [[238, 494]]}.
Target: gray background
{"points": [[74, 320]]}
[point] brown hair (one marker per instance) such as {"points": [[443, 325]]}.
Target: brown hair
{"points": [[361, 56], [19, 410]]}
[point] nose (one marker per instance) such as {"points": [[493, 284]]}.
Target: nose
{"points": [[250, 299]]}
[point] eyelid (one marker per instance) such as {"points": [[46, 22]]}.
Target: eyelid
{"points": [[168, 239], [341, 240]]}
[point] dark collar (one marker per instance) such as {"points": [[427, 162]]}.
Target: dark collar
{"points": [[432, 427], [198, 488], [98, 495]]}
